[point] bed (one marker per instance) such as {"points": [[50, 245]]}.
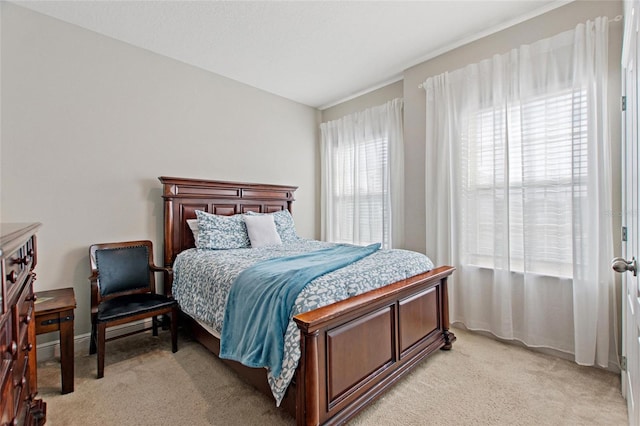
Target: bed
{"points": [[390, 328]]}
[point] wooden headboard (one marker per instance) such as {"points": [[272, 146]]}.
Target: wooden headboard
{"points": [[182, 197]]}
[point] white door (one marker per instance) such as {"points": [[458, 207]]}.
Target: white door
{"points": [[630, 217]]}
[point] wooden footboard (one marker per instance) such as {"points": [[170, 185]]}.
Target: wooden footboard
{"points": [[354, 349]]}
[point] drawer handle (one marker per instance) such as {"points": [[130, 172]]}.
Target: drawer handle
{"points": [[33, 297], [13, 348], [22, 382], [27, 319], [13, 276], [27, 347], [24, 260]]}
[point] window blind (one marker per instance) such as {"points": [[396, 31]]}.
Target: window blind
{"points": [[360, 176], [528, 159]]}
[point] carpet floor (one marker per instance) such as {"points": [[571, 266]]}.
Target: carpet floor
{"points": [[481, 381]]}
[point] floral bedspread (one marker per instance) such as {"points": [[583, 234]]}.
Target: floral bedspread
{"points": [[202, 279]]}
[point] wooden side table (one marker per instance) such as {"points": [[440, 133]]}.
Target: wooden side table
{"points": [[54, 312]]}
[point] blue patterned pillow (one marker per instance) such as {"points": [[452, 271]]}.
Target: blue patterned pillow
{"points": [[221, 232], [284, 225]]}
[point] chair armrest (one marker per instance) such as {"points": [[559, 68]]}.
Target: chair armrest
{"points": [[168, 278], [95, 297], [155, 268]]}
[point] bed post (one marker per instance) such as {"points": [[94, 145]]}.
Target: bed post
{"points": [[307, 397], [168, 242], [449, 337]]}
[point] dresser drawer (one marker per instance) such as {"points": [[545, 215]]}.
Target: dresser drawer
{"points": [[21, 370], [8, 350], [23, 318], [24, 306], [21, 384], [7, 407], [8, 346], [16, 267]]}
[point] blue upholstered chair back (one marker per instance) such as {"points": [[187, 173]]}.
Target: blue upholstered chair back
{"points": [[122, 269]]}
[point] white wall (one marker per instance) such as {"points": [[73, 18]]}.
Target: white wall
{"points": [[368, 100], [89, 123]]}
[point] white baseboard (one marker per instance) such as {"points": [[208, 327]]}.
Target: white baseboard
{"points": [[51, 350]]}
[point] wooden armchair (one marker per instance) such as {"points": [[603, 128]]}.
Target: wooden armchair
{"points": [[123, 290]]}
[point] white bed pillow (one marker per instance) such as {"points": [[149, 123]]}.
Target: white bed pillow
{"points": [[262, 230], [193, 225], [284, 224]]}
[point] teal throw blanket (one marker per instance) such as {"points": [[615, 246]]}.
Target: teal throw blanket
{"points": [[261, 301]]}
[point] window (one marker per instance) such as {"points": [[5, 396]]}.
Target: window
{"points": [[362, 160], [528, 160], [360, 176], [520, 206]]}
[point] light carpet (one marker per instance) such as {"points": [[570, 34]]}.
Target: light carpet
{"points": [[481, 381]]}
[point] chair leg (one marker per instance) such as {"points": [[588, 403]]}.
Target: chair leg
{"points": [[154, 325], [174, 330], [102, 331], [92, 342]]}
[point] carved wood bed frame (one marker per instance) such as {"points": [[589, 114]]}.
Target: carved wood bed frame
{"points": [[351, 351]]}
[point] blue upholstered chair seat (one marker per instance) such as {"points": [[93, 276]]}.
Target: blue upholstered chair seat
{"points": [[132, 304]]}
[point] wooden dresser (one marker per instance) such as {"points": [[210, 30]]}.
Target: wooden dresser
{"points": [[18, 256]]}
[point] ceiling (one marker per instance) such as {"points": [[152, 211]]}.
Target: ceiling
{"points": [[317, 53]]}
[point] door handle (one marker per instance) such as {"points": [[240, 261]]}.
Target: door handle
{"points": [[621, 265]]}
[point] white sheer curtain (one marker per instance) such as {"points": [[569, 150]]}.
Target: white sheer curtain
{"points": [[518, 164], [362, 183]]}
